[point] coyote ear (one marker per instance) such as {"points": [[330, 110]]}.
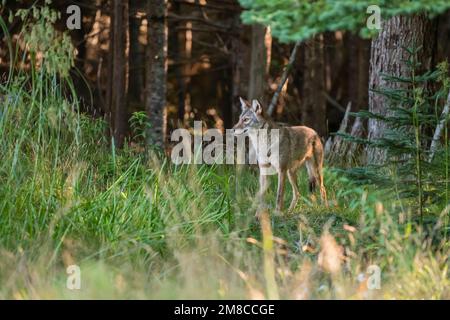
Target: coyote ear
{"points": [[256, 107], [244, 104]]}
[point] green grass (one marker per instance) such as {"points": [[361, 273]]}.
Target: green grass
{"points": [[140, 227]]}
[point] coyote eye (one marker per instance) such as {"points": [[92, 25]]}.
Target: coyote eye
{"points": [[246, 120]]}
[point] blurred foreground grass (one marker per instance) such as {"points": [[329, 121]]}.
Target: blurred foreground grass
{"points": [[141, 227]]}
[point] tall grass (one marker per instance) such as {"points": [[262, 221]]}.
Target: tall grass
{"points": [[140, 227]]}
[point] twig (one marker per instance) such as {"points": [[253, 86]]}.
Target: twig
{"points": [[357, 132], [99, 86], [174, 16], [211, 6], [334, 146], [212, 46], [333, 102], [344, 123], [284, 77], [90, 35], [206, 30], [439, 128]]}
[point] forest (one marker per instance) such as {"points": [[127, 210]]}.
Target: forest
{"points": [[96, 98]]}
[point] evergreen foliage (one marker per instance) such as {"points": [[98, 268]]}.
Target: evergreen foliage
{"points": [[293, 20], [413, 112]]}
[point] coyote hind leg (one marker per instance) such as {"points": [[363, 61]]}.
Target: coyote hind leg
{"points": [[315, 169], [318, 163], [315, 174], [323, 191], [312, 175]]}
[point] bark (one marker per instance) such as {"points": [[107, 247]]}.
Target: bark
{"points": [[388, 56], [357, 57], [119, 74], [178, 53], [336, 75], [157, 70], [443, 36], [110, 74], [313, 111], [352, 64], [225, 97], [236, 65], [258, 64], [136, 73], [363, 74], [298, 80]]}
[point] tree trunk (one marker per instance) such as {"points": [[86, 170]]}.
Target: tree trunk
{"points": [[157, 70], [136, 73], [109, 108], [258, 64], [357, 64], [313, 111], [226, 97], [119, 66], [178, 53], [388, 56], [350, 93], [236, 65], [363, 74]]}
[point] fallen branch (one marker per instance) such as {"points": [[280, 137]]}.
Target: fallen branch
{"points": [[439, 128], [333, 146], [99, 85], [357, 132], [173, 16], [284, 77], [333, 102]]}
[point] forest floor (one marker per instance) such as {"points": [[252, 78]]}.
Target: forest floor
{"points": [[130, 225], [145, 228], [82, 220]]}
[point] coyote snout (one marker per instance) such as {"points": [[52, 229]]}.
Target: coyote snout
{"points": [[295, 146]]}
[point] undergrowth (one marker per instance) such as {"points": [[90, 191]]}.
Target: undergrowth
{"points": [[139, 226]]}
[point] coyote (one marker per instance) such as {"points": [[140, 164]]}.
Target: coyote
{"points": [[296, 146]]}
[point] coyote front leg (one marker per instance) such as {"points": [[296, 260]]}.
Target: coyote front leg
{"points": [[280, 191], [263, 186]]}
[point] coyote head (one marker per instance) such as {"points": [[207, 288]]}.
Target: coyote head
{"points": [[252, 117]]}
